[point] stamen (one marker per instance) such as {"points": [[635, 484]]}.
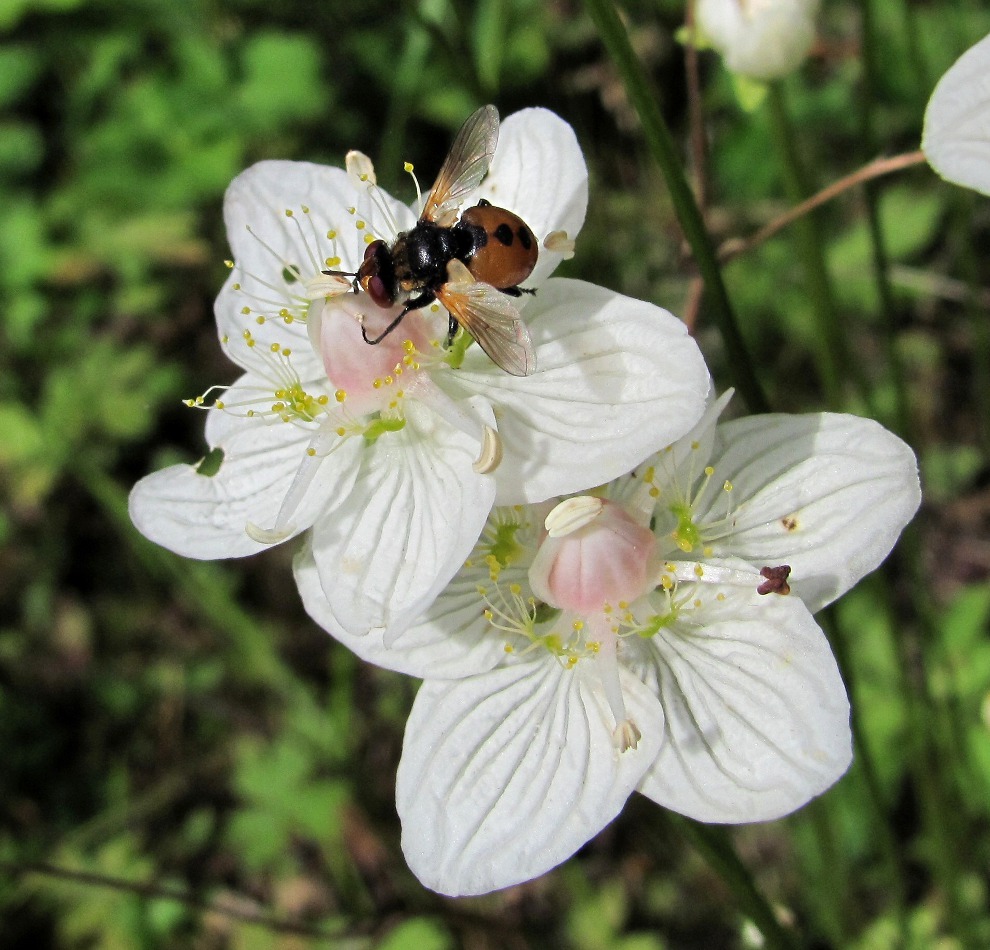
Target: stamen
{"points": [[408, 167], [491, 452], [572, 514], [559, 243]]}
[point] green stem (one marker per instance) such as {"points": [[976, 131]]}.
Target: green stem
{"points": [[866, 765], [832, 358], [664, 152], [715, 846], [871, 191]]}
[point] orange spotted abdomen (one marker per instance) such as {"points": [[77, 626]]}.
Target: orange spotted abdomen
{"points": [[508, 254]]}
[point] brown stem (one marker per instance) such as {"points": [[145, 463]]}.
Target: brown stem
{"points": [[875, 169]]}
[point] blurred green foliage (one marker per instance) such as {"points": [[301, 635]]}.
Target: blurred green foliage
{"points": [[183, 728]]}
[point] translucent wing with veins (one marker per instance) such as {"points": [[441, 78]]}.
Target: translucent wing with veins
{"points": [[464, 167]]}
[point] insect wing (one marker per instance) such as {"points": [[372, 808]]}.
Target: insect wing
{"points": [[493, 320], [465, 165]]}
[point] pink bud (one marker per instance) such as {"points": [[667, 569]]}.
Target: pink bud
{"points": [[602, 557]]}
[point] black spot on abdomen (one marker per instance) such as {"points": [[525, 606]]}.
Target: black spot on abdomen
{"points": [[503, 234], [525, 237]]}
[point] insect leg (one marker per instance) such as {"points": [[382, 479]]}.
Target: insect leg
{"points": [[427, 297], [517, 291]]}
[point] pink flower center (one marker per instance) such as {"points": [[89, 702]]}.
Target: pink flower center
{"points": [[371, 376], [607, 560]]}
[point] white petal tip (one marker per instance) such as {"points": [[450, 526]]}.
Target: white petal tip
{"points": [[626, 735], [573, 513], [491, 452], [266, 535]]}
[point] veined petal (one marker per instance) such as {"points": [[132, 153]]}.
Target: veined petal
{"points": [[202, 516], [956, 139], [615, 378], [757, 716], [826, 494], [397, 537], [452, 639], [539, 173], [506, 774], [279, 215]]}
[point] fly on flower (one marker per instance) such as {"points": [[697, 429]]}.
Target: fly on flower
{"points": [[471, 264]]}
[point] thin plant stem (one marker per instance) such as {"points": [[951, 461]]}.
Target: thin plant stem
{"points": [[871, 193], [664, 152], [151, 890], [892, 857], [877, 168], [714, 844], [831, 358]]}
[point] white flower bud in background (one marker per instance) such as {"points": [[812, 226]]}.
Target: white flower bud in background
{"points": [[761, 39]]}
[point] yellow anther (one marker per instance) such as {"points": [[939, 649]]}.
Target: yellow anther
{"points": [[287, 352], [369, 239], [340, 395], [699, 570], [623, 605], [697, 602], [578, 626], [709, 471], [341, 430], [311, 451], [229, 265], [720, 596], [666, 583], [331, 234], [245, 310], [708, 551], [594, 646], [515, 589], [508, 647], [275, 347], [489, 616], [288, 212], [236, 286], [251, 413], [727, 485], [359, 225], [389, 380], [259, 320], [323, 399], [305, 209], [695, 446], [409, 346], [219, 404], [377, 384], [407, 166], [654, 492], [352, 210], [571, 662]]}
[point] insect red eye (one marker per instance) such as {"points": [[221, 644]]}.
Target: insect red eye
{"points": [[379, 293]]}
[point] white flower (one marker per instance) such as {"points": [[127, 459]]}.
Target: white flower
{"points": [[579, 655], [762, 39], [389, 452], [956, 139]]}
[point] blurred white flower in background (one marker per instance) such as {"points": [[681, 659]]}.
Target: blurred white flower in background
{"points": [[760, 39]]}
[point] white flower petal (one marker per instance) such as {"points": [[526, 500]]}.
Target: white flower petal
{"points": [[506, 774], [206, 517], [406, 526], [956, 139], [827, 494], [539, 173], [265, 241], [757, 716], [452, 640], [616, 378]]}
